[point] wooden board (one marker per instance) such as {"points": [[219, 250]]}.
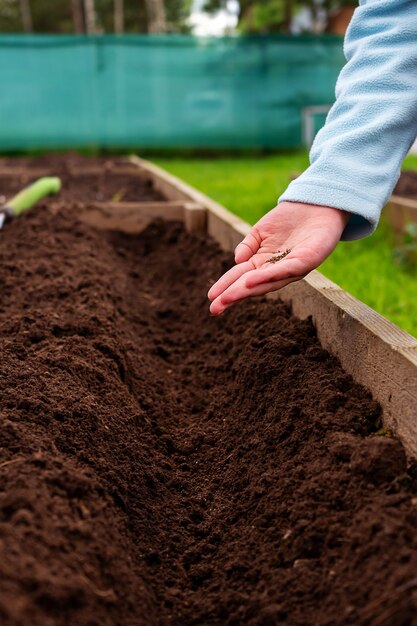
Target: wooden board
{"points": [[377, 354], [132, 217], [400, 212]]}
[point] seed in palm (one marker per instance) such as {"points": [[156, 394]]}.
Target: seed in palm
{"points": [[280, 255]]}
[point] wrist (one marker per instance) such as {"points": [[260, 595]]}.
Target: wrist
{"points": [[326, 212]]}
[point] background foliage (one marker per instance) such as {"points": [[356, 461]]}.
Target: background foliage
{"points": [[269, 16], [255, 16], [56, 16]]}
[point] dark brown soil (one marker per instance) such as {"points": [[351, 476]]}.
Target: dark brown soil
{"points": [[64, 162], [108, 185], [407, 185], [159, 466]]}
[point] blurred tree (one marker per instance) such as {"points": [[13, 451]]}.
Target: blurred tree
{"points": [[259, 16], [57, 16], [157, 22], [78, 16], [268, 16], [90, 17], [119, 20], [136, 16], [69, 16], [26, 16], [177, 13]]}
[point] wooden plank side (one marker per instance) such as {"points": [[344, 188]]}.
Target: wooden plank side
{"points": [[400, 212], [226, 232], [405, 202], [174, 207], [129, 217], [195, 218]]}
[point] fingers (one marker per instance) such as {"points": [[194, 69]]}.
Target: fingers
{"points": [[239, 291], [245, 277], [228, 279], [269, 273], [248, 247]]}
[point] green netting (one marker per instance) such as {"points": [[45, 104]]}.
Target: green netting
{"points": [[162, 91]]}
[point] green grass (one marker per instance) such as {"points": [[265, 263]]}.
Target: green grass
{"points": [[365, 268], [250, 186], [410, 162]]}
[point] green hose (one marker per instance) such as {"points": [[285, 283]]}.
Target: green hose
{"points": [[28, 197]]}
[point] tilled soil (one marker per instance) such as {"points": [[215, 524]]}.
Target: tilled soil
{"points": [[61, 161], [113, 183], [407, 185], [159, 466]]}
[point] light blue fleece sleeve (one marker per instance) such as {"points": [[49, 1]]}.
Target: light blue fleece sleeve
{"points": [[356, 158]]}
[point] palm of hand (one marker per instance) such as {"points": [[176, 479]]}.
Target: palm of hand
{"points": [[309, 232]]}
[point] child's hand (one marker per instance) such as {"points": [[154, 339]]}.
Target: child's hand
{"points": [[310, 233]]}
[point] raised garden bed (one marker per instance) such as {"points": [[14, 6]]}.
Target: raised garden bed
{"points": [[159, 466], [401, 210]]}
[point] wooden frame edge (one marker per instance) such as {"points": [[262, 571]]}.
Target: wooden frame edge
{"points": [[132, 217], [399, 212]]}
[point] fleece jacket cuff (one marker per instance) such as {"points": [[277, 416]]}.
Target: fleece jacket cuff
{"points": [[365, 212]]}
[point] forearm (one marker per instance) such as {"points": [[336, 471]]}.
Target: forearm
{"points": [[356, 158]]}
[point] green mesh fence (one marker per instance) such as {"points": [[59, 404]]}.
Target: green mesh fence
{"points": [[162, 91]]}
